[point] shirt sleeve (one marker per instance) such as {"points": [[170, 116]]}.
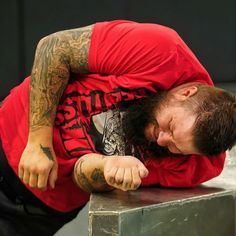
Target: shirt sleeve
{"points": [[188, 171], [135, 55]]}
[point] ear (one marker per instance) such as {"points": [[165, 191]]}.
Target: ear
{"points": [[185, 92]]}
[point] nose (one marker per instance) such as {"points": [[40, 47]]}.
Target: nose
{"points": [[163, 138]]}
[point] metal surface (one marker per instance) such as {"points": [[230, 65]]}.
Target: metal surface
{"points": [[154, 211], [203, 211]]}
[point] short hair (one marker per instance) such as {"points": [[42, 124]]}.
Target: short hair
{"points": [[215, 127]]}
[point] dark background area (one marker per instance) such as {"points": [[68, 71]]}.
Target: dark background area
{"points": [[208, 27]]}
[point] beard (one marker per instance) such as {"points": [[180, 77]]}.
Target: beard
{"points": [[137, 116]]}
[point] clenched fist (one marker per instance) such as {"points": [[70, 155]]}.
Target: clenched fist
{"points": [[124, 172]]}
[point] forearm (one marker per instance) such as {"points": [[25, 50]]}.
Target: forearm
{"points": [[96, 173], [89, 173], [49, 78]]}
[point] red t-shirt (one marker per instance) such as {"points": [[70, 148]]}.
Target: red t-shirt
{"points": [[126, 60]]}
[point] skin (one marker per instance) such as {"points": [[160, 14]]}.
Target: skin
{"points": [[95, 172], [56, 56], [174, 122]]}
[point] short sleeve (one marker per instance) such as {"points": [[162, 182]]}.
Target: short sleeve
{"points": [[183, 171], [134, 55]]}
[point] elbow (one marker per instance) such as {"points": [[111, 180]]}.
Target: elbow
{"points": [[44, 42], [55, 46]]}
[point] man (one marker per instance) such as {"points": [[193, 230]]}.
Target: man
{"points": [[138, 84]]}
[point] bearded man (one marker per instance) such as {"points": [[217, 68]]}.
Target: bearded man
{"points": [[117, 104]]}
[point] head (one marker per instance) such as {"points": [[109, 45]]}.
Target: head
{"points": [[189, 119], [214, 129]]}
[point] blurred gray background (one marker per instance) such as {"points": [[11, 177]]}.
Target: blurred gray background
{"points": [[208, 27]]}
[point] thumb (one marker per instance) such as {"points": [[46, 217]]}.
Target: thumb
{"points": [[143, 171], [53, 176]]}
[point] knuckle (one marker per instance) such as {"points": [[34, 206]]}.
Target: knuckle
{"points": [[33, 170], [119, 180], [41, 186], [109, 177], [137, 182], [43, 170], [128, 180], [24, 166], [32, 185], [126, 185]]}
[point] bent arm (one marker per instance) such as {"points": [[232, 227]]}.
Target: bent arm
{"points": [[98, 173], [56, 56], [183, 171]]}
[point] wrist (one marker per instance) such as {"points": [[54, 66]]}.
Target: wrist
{"points": [[44, 136], [104, 160]]}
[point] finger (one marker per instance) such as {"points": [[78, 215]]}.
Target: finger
{"points": [[136, 178], [143, 171], [42, 180], [53, 177], [110, 176], [127, 179], [33, 180], [21, 172], [119, 176], [26, 176]]}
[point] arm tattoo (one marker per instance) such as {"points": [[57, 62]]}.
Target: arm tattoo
{"points": [[47, 152], [98, 176], [81, 178], [56, 56]]}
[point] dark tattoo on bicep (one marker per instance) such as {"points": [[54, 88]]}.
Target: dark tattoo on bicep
{"points": [[56, 56], [82, 179], [47, 152]]}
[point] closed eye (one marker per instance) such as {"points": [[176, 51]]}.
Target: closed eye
{"points": [[171, 128]]}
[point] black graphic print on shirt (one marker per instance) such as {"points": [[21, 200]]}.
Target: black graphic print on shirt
{"points": [[106, 133], [75, 125]]}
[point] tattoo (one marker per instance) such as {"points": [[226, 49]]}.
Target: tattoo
{"points": [[47, 152], [81, 178], [56, 56], [98, 176]]}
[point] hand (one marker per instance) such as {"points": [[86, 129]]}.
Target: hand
{"points": [[124, 172], [38, 166]]}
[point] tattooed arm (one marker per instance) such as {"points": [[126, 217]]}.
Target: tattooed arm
{"points": [[97, 173], [56, 56]]}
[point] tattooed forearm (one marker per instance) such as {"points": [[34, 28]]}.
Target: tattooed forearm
{"points": [[88, 174], [81, 178], [56, 56], [47, 152]]}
